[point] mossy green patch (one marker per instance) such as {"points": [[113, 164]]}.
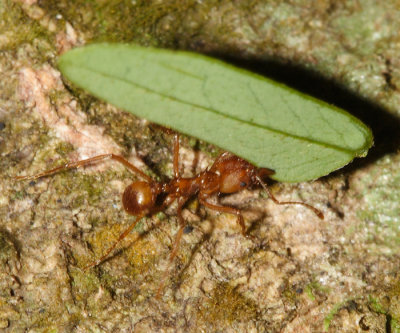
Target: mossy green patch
{"points": [[289, 294], [226, 306], [381, 211], [142, 255], [17, 28], [117, 20], [82, 187], [314, 288], [100, 20], [8, 252], [83, 284], [101, 240], [18, 195], [63, 148], [150, 22], [360, 26], [335, 309], [392, 314]]}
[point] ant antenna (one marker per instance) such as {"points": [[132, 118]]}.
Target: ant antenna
{"points": [[266, 189]]}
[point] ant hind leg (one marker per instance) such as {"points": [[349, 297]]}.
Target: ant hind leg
{"points": [[119, 240], [175, 246]]}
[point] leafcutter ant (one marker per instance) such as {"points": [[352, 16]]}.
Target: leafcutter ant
{"points": [[228, 174]]}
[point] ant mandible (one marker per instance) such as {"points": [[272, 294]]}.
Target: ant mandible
{"points": [[228, 174]]}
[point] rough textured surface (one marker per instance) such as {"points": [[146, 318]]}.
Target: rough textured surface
{"points": [[297, 274]]}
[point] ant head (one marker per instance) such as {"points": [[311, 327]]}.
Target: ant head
{"points": [[235, 180], [235, 174], [139, 197]]}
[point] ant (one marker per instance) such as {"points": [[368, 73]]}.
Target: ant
{"points": [[228, 174]]}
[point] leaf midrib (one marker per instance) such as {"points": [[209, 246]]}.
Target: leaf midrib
{"points": [[208, 109]]}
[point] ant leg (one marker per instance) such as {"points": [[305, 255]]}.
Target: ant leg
{"points": [[120, 238], [176, 155], [176, 244], [176, 147], [82, 163], [226, 209], [179, 234], [315, 210]]}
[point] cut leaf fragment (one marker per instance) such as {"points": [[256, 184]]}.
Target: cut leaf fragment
{"points": [[260, 120]]}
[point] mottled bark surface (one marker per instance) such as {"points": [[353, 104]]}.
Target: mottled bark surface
{"points": [[296, 274]]}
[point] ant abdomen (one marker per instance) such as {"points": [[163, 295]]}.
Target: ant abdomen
{"points": [[138, 197]]}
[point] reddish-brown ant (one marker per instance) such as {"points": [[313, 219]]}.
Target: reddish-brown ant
{"points": [[228, 174]]}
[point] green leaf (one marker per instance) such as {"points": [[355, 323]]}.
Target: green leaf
{"points": [[258, 119]]}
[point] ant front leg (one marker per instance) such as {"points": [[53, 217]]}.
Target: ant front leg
{"points": [[266, 189], [78, 164], [176, 155], [176, 147]]}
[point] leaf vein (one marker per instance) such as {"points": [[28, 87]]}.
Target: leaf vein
{"points": [[216, 112]]}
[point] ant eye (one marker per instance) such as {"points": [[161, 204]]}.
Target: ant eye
{"points": [[243, 184]]}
